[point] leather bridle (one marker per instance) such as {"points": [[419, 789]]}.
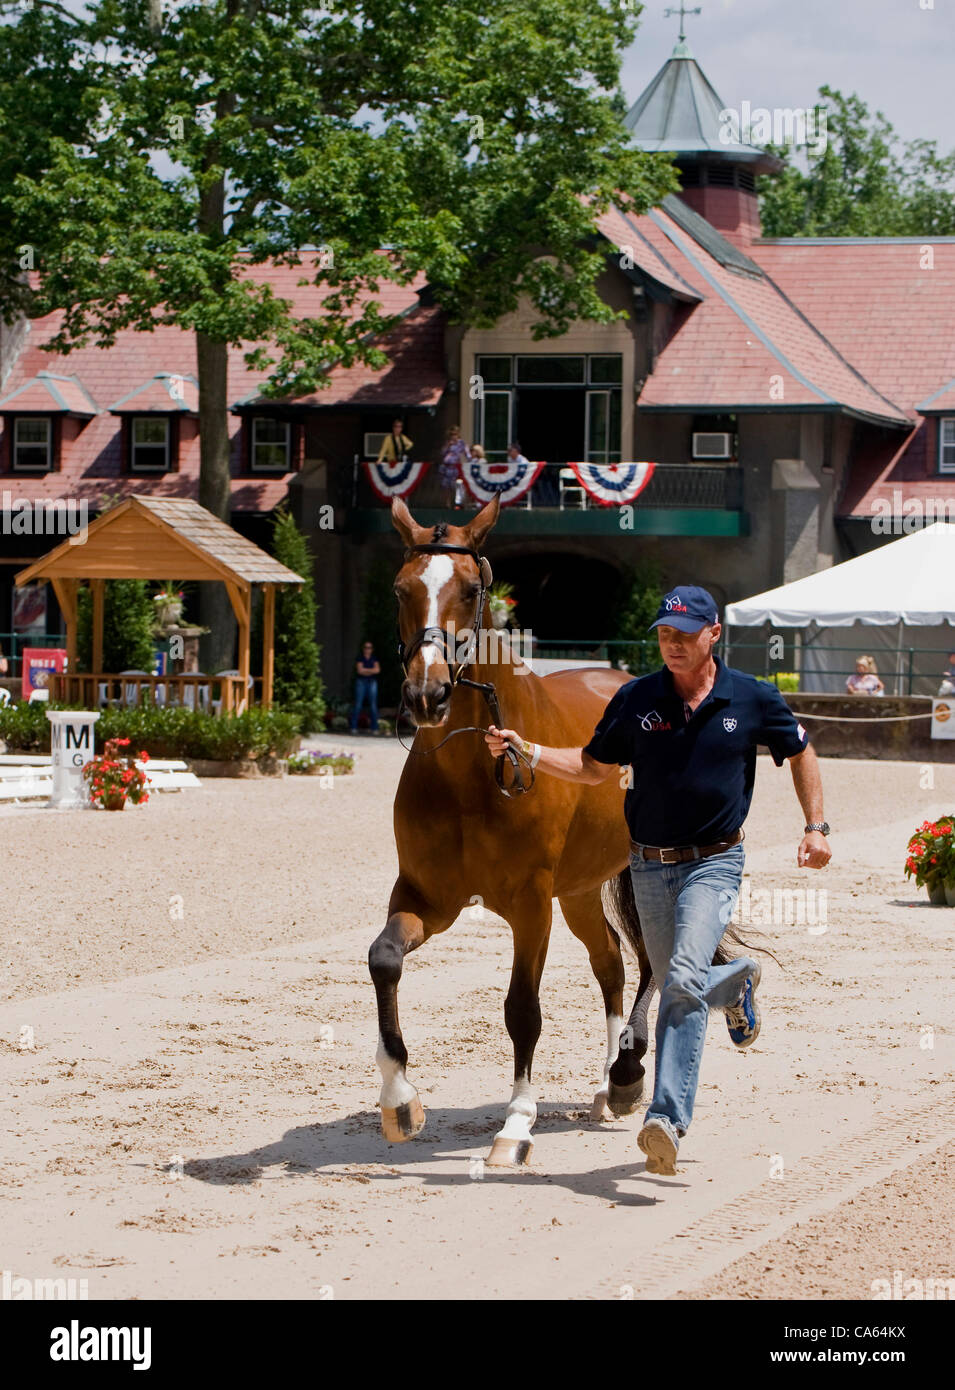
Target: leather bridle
{"points": [[442, 638]]}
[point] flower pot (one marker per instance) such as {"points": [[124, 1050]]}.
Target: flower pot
{"points": [[169, 614], [499, 618], [115, 801], [936, 894], [950, 892]]}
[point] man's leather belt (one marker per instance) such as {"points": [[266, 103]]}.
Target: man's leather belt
{"points": [[682, 854]]}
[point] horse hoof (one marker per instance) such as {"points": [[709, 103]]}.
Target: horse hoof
{"points": [[623, 1100], [599, 1108], [509, 1153], [402, 1122]]}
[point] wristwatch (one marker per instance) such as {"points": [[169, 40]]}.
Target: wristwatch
{"points": [[822, 826]]}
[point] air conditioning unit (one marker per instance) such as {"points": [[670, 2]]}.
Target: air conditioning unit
{"points": [[373, 443], [712, 446]]}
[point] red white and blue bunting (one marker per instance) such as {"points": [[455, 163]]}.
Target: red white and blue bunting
{"points": [[612, 484], [395, 479], [509, 480]]}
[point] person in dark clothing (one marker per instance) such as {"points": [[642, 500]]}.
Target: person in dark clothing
{"points": [[367, 671]]}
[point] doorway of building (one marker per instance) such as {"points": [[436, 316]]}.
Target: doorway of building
{"points": [[561, 596], [550, 424]]}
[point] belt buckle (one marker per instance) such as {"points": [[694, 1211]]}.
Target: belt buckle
{"points": [[671, 849]]}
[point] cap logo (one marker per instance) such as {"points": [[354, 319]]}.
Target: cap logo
{"points": [[675, 605]]}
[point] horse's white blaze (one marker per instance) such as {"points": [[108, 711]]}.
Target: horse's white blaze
{"points": [[521, 1112], [614, 1029], [396, 1089], [435, 576]]}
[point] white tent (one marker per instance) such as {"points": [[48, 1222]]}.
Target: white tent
{"points": [[908, 583]]}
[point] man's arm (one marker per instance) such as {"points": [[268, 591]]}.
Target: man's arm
{"points": [[814, 851], [569, 764]]}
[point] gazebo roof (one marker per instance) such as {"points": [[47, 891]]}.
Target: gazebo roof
{"points": [[161, 538]]}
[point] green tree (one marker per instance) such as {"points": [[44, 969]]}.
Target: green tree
{"points": [[128, 618], [640, 595], [379, 624], [862, 180], [298, 685], [225, 134]]}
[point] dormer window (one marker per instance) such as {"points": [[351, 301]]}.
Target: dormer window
{"points": [[271, 445], [33, 444], [149, 444], [946, 444]]}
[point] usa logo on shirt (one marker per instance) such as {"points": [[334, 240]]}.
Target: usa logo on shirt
{"points": [[729, 723]]}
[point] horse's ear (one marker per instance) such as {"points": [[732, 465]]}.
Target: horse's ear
{"points": [[403, 522], [483, 522]]}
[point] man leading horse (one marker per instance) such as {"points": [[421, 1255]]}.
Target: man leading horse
{"points": [[689, 734]]}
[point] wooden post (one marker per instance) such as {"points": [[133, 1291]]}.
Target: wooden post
{"points": [[268, 645], [65, 590], [98, 587], [241, 600]]}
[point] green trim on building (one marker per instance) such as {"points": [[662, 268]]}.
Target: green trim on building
{"points": [[551, 521]]}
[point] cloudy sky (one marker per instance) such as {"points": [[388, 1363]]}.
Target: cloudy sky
{"points": [[899, 57]]}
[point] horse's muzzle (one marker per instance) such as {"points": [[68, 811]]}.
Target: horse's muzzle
{"points": [[428, 705]]}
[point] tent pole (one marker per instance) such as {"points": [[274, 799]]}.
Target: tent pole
{"points": [[898, 660]]}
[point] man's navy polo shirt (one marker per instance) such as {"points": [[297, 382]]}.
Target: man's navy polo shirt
{"points": [[693, 778]]}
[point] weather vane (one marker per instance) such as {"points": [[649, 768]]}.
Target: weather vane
{"points": [[682, 12]]}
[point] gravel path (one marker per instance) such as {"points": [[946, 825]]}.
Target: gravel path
{"points": [[193, 973]]}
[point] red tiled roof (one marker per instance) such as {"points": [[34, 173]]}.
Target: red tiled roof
{"points": [[625, 233], [878, 304], [50, 393], [746, 344], [940, 402], [91, 463], [163, 392]]}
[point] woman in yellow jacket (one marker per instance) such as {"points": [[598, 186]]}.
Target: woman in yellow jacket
{"points": [[396, 445]]}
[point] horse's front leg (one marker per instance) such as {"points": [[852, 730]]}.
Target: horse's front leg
{"points": [[410, 923], [530, 920]]}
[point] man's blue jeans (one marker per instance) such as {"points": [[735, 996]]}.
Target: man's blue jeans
{"points": [[684, 910], [366, 688]]}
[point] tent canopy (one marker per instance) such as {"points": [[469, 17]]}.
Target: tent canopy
{"points": [[909, 581]]}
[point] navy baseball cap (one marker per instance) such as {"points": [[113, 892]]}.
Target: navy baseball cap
{"points": [[688, 608]]}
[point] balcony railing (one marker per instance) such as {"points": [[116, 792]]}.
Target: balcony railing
{"points": [[673, 485]]}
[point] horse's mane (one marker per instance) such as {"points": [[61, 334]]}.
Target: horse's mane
{"points": [[440, 531]]}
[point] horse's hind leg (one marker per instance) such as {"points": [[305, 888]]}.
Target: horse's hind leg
{"points": [[530, 920], [626, 1074], [584, 915], [409, 924]]}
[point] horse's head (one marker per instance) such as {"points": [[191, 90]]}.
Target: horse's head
{"points": [[440, 590]]}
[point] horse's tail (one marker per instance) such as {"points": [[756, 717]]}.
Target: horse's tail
{"points": [[625, 919]]}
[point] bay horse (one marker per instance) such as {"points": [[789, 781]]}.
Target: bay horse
{"points": [[459, 838]]}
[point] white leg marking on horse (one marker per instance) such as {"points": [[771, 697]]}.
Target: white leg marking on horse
{"points": [[396, 1089], [435, 575], [521, 1112], [614, 1029]]}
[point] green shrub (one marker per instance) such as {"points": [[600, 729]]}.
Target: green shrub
{"points": [[128, 618], [298, 686], [783, 680], [166, 733], [640, 596]]}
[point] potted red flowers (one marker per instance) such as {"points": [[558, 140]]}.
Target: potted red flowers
{"points": [[114, 778], [931, 859]]}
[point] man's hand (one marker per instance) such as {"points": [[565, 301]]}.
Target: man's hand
{"points": [[498, 740], [814, 851]]}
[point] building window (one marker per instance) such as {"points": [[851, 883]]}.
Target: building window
{"points": [[271, 445], [33, 443], [493, 423], [946, 445], [603, 426], [541, 370], [149, 444]]}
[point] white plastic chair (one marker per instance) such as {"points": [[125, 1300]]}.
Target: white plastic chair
{"points": [[568, 484], [39, 696], [5, 696]]}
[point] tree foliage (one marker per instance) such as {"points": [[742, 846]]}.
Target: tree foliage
{"points": [[128, 618], [298, 686], [864, 182], [640, 594]]}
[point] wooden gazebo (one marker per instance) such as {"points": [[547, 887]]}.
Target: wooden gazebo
{"points": [[162, 538]]}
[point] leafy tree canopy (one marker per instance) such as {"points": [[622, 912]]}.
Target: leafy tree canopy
{"points": [[865, 181]]}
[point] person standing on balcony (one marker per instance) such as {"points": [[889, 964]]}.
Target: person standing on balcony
{"points": [[396, 445], [367, 671], [449, 471], [688, 734]]}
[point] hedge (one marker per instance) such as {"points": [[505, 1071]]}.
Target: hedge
{"points": [[165, 733]]}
